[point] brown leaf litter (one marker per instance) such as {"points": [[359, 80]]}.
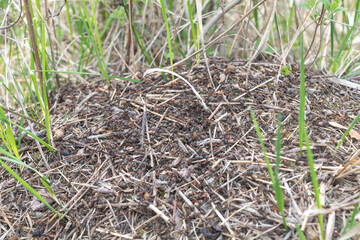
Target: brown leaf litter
{"points": [[146, 161]]}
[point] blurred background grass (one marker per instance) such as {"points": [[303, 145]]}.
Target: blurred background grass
{"points": [[95, 36]]}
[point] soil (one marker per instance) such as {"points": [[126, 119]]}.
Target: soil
{"points": [[154, 161]]}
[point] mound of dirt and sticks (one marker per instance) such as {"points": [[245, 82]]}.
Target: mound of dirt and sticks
{"points": [[169, 160]]}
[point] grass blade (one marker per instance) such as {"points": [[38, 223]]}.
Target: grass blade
{"points": [[70, 29], [7, 135], [44, 90], [28, 187], [314, 182], [302, 94], [300, 233], [193, 29], [274, 177], [168, 34], [345, 41], [263, 149], [278, 190], [347, 132], [28, 132], [351, 221]]}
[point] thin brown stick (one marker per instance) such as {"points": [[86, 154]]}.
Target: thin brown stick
{"points": [[33, 42], [318, 51], [317, 26], [21, 115], [16, 21]]}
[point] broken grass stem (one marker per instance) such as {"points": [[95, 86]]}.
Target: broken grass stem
{"points": [[186, 81]]}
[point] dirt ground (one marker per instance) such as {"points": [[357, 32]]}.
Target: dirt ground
{"points": [[163, 160]]}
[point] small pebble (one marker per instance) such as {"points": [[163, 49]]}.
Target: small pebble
{"points": [[65, 152], [323, 123], [37, 233]]}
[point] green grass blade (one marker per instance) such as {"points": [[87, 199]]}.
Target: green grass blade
{"points": [[96, 49], [302, 94], [300, 233], [85, 11], [109, 21], [45, 181], [13, 159], [263, 149], [353, 74], [347, 132], [38, 93], [289, 23], [6, 153], [70, 29], [147, 33], [314, 182], [277, 27], [278, 190], [168, 34], [44, 90], [28, 132], [4, 137], [273, 176], [28, 187], [351, 221], [10, 139], [20, 133], [332, 36], [93, 35], [357, 12], [353, 215], [181, 52], [50, 191], [193, 28], [345, 42], [256, 18], [8, 90], [98, 45]]}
